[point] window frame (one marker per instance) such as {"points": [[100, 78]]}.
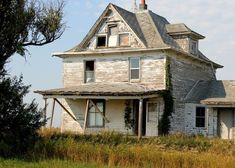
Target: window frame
{"points": [[84, 69], [119, 35], [101, 35], [88, 115], [200, 117], [130, 68]]}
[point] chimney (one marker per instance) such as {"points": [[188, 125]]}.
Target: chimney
{"points": [[143, 5]]}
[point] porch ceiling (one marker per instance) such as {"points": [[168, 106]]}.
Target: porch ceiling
{"points": [[109, 90]]}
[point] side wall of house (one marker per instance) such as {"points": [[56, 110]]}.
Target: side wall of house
{"points": [[185, 74], [211, 119]]}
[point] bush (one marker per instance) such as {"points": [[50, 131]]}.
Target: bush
{"points": [[19, 122]]}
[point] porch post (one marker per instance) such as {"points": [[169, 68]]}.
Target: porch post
{"points": [[52, 112], [45, 110], [86, 113], [140, 118]]}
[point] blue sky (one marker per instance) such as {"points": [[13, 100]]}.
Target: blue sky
{"points": [[214, 19]]}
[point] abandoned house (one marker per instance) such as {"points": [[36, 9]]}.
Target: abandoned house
{"points": [[136, 73]]}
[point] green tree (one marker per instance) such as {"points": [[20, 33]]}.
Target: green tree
{"points": [[26, 23], [23, 23]]}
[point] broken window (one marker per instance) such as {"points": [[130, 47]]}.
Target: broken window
{"points": [[200, 117], [124, 39], [95, 116], [113, 36], [89, 71], [101, 41], [134, 68], [193, 47]]}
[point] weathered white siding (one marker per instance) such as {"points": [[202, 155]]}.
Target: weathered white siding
{"points": [[184, 75], [115, 68], [114, 111]]}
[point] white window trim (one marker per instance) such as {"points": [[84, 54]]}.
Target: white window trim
{"points": [[133, 80]]}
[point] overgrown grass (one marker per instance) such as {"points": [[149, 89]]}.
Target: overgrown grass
{"points": [[14, 163], [117, 150]]}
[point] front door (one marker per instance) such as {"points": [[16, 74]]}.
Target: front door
{"points": [[226, 122], [152, 119]]}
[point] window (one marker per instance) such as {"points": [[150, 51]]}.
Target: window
{"points": [[124, 39], [113, 36], [89, 71], [134, 68], [95, 118], [193, 47], [101, 41], [200, 117]]}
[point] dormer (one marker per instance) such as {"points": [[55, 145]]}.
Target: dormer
{"points": [[186, 38]]}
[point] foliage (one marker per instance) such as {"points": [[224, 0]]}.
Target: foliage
{"points": [[23, 23], [55, 163], [18, 121], [28, 23], [166, 151], [127, 115], [164, 123]]}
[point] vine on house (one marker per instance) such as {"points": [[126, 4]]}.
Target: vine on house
{"points": [[164, 123]]}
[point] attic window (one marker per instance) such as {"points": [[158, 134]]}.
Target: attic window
{"points": [[113, 36], [101, 41], [124, 39]]}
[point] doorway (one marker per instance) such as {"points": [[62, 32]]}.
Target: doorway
{"points": [[226, 123]]}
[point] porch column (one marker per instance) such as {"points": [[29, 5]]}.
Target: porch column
{"points": [[52, 112], [45, 110], [140, 118]]}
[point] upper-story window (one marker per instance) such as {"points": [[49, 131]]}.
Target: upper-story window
{"points": [[113, 36], [200, 116], [124, 39], [89, 71], [101, 41], [134, 68]]}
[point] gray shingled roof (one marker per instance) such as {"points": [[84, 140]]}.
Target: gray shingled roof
{"points": [[101, 89], [153, 30], [216, 91]]}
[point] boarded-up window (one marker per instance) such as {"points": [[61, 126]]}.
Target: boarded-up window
{"points": [[200, 117], [113, 36], [134, 68], [95, 118], [101, 41], [124, 39]]}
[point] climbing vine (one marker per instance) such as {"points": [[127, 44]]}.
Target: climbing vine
{"points": [[127, 115], [164, 123]]}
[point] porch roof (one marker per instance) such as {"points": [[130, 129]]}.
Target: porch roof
{"points": [[219, 101], [100, 90]]}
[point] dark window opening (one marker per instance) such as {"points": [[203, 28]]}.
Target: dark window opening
{"points": [[89, 71], [200, 117], [101, 41]]}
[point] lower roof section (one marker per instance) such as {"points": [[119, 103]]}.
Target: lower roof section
{"points": [[101, 90], [214, 92]]}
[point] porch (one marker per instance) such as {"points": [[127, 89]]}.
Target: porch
{"points": [[122, 107]]}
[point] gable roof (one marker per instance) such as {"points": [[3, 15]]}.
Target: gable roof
{"points": [[151, 30], [212, 91]]}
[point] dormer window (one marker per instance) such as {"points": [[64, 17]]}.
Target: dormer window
{"points": [[101, 41], [124, 39], [113, 36], [193, 47]]}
